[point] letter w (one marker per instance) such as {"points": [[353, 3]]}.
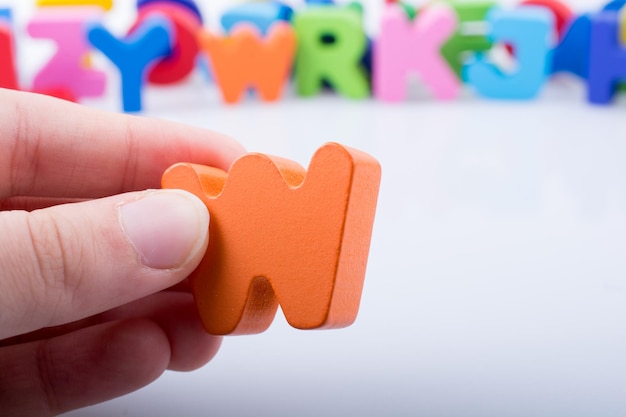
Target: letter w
{"points": [[243, 59], [277, 237]]}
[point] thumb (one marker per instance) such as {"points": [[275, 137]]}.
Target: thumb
{"points": [[68, 262]]}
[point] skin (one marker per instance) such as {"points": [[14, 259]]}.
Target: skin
{"points": [[84, 316]]}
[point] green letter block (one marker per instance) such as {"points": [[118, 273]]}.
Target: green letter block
{"points": [[467, 11], [331, 43]]}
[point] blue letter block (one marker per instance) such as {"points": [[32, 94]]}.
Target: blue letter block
{"points": [[528, 29], [607, 58], [133, 55], [572, 53]]}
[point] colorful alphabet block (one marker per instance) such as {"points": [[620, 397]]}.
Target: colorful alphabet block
{"points": [[244, 59], [607, 58], [103, 4], [572, 54], [331, 45], [133, 55], [404, 46], [528, 30], [8, 69], [66, 70], [280, 235], [465, 41], [181, 62]]}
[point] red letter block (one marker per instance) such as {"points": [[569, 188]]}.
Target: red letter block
{"points": [[8, 70], [280, 235]]}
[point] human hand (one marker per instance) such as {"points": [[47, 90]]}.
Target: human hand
{"points": [[92, 297]]}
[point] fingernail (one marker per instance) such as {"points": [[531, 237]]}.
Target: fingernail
{"points": [[166, 227]]}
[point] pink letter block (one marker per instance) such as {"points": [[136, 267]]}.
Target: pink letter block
{"points": [[405, 46], [68, 68]]}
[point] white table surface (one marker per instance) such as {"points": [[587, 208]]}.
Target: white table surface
{"points": [[496, 284]]}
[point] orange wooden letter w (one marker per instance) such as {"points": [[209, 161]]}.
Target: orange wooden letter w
{"points": [[279, 235]]}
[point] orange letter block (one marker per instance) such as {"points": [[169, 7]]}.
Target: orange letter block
{"points": [[243, 59], [280, 235], [105, 4]]}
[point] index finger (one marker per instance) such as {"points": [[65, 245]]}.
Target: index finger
{"points": [[53, 148]]}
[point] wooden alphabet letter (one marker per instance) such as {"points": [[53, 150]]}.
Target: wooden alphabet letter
{"points": [[280, 235]]}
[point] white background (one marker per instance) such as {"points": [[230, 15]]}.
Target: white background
{"points": [[496, 284]]}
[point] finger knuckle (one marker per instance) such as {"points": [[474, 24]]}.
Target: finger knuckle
{"points": [[58, 256], [23, 156]]}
